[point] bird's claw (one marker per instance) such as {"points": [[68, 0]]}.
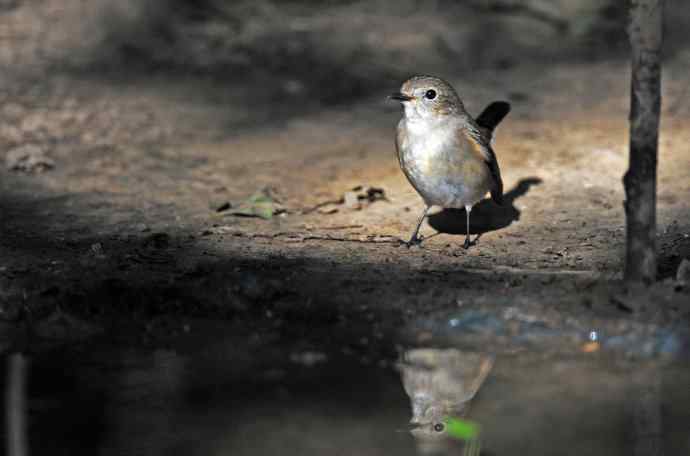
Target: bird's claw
{"points": [[414, 240]]}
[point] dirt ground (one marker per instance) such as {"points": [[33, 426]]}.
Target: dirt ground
{"points": [[135, 213]]}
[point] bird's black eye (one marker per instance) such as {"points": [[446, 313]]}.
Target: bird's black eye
{"points": [[430, 94], [439, 427]]}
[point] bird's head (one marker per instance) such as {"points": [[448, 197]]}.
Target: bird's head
{"points": [[428, 97]]}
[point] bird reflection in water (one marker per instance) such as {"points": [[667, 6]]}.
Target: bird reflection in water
{"points": [[440, 384]]}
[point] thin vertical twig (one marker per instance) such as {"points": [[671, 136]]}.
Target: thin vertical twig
{"points": [[15, 405]]}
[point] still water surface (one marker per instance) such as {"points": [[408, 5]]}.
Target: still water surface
{"points": [[110, 400]]}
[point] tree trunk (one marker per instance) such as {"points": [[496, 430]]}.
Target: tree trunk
{"points": [[646, 36]]}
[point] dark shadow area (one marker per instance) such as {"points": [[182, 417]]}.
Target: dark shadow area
{"points": [[261, 315], [486, 215], [674, 247], [222, 398], [78, 421], [79, 264], [248, 46]]}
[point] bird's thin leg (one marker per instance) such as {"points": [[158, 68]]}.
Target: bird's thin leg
{"points": [[414, 239], [468, 209]]}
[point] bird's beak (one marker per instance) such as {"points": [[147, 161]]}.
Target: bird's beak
{"points": [[412, 425], [400, 97]]}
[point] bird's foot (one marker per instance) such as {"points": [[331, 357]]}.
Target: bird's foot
{"points": [[469, 242], [414, 241]]}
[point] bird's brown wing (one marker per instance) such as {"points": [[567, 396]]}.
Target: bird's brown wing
{"points": [[482, 146], [487, 122], [497, 189]]}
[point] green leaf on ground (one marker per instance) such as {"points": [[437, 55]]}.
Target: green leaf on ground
{"points": [[261, 204]]}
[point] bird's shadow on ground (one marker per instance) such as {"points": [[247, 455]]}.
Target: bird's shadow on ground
{"points": [[486, 215]]}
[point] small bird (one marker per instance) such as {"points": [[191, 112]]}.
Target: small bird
{"points": [[444, 152], [441, 383]]}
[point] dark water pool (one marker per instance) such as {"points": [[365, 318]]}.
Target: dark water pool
{"points": [[216, 400]]}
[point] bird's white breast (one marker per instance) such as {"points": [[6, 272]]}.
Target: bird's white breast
{"points": [[424, 150], [433, 162], [427, 138]]}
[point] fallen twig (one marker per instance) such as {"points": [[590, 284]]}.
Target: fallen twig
{"points": [[339, 227], [310, 209], [291, 236]]}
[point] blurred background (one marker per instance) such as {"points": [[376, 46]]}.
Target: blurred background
{"points": [[317, 50], [356, 44]]}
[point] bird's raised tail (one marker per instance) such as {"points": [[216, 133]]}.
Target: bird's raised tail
{"points": [[493, 114]]}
